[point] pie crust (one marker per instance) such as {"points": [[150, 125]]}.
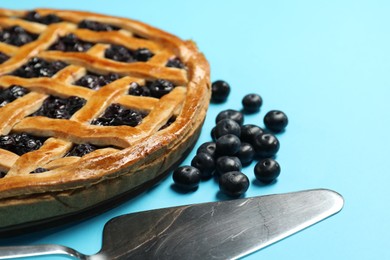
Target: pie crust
{"points": [[130, 157]]}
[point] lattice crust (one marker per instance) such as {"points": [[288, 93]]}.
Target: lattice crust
{"points": [[123, 149]]}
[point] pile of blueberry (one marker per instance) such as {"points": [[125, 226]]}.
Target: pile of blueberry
{"points": [[10, 94], [97, 26], [60, 108], [37, 67], [70, 43], [17, 36], [235, 145], [116, 115], [37, 18], [96, 81], [122, 54]]}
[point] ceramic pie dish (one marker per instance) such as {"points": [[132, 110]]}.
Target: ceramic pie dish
{"points": [[92, 107]]}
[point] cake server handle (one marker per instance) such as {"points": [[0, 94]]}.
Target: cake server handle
{"points": [[12, 252]]}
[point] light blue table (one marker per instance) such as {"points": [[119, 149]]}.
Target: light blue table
{"points": [[326, 64]]}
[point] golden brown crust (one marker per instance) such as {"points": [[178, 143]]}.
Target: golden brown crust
{"points": [[141, 153]]}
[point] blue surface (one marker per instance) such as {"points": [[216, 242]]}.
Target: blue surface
{"points": [[326, 64]]}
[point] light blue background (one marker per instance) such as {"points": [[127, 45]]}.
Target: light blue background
{"points": [[326, 64]]}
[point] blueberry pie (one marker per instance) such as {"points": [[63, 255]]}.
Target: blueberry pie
{"points": [[92, 107]]}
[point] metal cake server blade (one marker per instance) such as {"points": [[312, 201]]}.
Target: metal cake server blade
{"points": [[215, 230]]}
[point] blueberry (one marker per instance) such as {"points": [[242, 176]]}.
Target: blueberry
{"points": [[234, 183], [74, 103], [230, 114], [267, 170], [116, 115], [81, 150], [88, 81], [170, 121], [137, 90], [186, 177], [249, 132], [208, 147], [2, 174], [220, 91], [204, 162], [143, 54], [175, 63], [33, 16], [119, 53], [252, 103], [107, 79], [56, 65], [226, 164], [227, 126], [212, 134], [50, 18], [36, 17], [128, 117], [3, 57], [60, 108], [103, 121], [70, 43], [160, 87], [266, 145], [27, 144], [276, 120], [97, 26], [6, 141], [37, 67], [246, 153], [39, 170], [17, 36], [12, 93], [22, 39], [113, 111], [95, 81], [227, 145]]}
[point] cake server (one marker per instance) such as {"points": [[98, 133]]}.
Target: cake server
{"points": [[216, 230]]}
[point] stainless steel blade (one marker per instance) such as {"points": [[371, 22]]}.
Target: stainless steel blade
{"points": [[218, 230]]}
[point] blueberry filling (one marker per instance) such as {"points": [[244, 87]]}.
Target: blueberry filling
{"points": [[142, 54], [3, 57], [39, 170], [97, 26], [175, 63], [170, 121], [81, 150], [20, 143], [70, 43], [116, 115], [60, 108], [17, 36], [37, 67], [47, 19], [137, 90], [159, 87], [10, 94], [156, 88], [2, 174], [122, 54], [139, 36], [95, 81]]}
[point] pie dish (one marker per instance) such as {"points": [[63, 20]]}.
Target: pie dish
{"points": [[92, 107]]}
